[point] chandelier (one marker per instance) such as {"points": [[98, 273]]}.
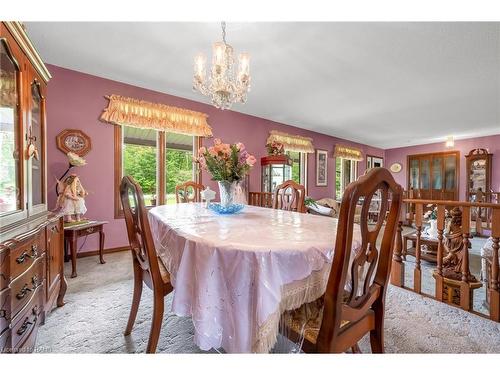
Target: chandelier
{"points": [[223, 86]]}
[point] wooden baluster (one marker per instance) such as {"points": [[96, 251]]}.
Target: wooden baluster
{"points": [[479, 222], [495, 273], [465, 286], [439, 270], [417, 272], [398, 267]]}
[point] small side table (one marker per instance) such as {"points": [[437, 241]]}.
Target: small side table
{"points": [[432, 244], [73, 232]]}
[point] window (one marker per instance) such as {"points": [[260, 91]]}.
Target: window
{"points": [[157, 160], [140, 159], [299, 166], [179, 162], [345, 173]]}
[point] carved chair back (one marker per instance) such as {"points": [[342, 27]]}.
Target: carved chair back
{"points": [[138, 230], [369, 266], [188, 192], [290, 196]]}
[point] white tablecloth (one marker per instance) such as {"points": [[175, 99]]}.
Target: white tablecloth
{"points": [[235, 274]]}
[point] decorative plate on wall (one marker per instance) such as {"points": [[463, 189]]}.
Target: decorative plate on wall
{"points": [[396, 167], [73, 140]]}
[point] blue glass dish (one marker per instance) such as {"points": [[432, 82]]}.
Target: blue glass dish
{"points": [[228, 210]]}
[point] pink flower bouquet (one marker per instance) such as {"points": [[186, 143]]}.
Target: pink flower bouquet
{"points": [[226, 162]]}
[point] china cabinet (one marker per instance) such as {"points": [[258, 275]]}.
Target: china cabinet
{"points": [[478, 173], [434, 176], [276, 169], [31, 238]]}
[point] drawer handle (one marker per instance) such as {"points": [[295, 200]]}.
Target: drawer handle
{"points": [[3, 276], [27, 322], [35, 284], [22, 293], [3, 313], [90, 230], [25, 325], [24, 255]]}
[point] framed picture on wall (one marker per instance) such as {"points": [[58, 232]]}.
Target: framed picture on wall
{"points": [[321, 168], [374, 162]]}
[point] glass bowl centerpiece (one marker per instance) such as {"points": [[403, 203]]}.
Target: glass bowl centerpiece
{"points": [[228, 164]]}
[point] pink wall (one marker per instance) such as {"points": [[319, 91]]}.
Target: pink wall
{"points": [[492, 143], [76, 100]]}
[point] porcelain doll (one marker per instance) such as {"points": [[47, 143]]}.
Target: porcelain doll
{"points": [[71, 200]]}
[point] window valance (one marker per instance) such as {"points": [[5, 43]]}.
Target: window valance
{"points": [[346, 152], [291, 142], [142, 114]]}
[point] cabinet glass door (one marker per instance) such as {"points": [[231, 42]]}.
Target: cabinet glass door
{"points": [[414, 174], [35, 146], [10, 161], [450, 175], [437, 177]]}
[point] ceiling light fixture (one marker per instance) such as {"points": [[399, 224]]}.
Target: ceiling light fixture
{"points": [[223, 86], [450, 142]]}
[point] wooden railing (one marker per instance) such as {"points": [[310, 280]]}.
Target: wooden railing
{"points": [[265, 199], [483, 216], [453, 282], [261, 199]]}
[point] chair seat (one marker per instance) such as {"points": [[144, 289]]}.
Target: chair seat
{"points": [[306, 320]]}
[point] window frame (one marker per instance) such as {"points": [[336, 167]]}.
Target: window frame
{"points": [[302, 168], [353, 175], [161, 176]]}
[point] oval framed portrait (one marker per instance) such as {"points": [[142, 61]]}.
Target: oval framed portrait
{"points": [[396, 167], [73, 140]]}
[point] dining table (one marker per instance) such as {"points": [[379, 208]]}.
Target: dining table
{"points": [[235, 275]]}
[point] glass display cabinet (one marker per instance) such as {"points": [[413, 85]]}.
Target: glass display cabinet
{"points": [[31, 238], [275, 171], [478, 173]]}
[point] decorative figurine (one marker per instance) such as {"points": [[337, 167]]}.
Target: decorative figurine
{"points": [[456, 249], [207, 195], [71, 200]]}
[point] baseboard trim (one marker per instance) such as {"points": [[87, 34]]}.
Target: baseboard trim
{"points": [[85, 254]]}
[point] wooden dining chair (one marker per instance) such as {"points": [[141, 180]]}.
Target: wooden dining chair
{"points": [[148, 268], [343, 316], [290, 196], [188, 192]]}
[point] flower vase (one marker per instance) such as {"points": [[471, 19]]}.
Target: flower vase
{"points": [[227, 191], [432, 231]]}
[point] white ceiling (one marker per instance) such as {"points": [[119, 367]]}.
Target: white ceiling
{"points": [[383, 84]]}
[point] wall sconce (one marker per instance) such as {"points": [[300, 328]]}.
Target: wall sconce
{"points": [[450, 142]]}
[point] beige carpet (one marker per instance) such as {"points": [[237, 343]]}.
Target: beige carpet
{"points": [[98, 303]]}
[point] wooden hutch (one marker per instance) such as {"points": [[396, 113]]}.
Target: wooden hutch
{"points": [[31, 238], [478, 175], [434, 176]]}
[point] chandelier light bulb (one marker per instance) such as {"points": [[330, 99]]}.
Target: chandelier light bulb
{"points": [[244, 67], [199, 66]]}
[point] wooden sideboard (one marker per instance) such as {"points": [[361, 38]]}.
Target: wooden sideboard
{"points": [[31, 280], [31, 238]]}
